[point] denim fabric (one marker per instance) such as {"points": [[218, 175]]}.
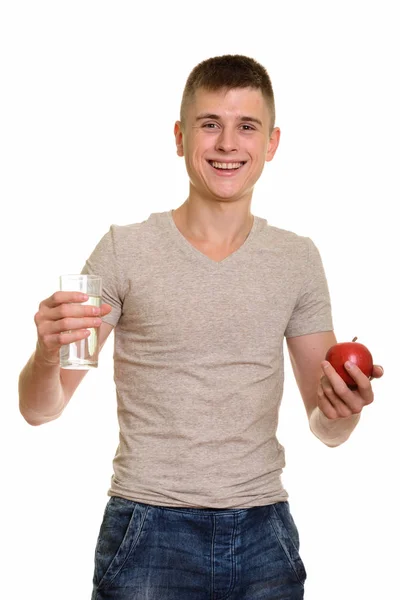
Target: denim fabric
{"points": [[148, 552]]}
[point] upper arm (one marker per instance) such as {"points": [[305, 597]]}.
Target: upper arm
{"points": [[70, 379], [306, 354]]}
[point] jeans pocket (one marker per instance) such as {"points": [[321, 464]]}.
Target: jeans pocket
{"points": [[288, 536], [118, 537]]}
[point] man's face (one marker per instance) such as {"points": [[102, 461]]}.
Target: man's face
{"points": [[226, 141]]}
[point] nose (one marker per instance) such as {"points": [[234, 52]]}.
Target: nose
{"points": [[227, 141]]}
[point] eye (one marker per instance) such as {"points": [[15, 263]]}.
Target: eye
{"points": [[246, 127], [210, 126]]}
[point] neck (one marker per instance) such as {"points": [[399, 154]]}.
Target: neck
{"points": [[221, 224]]}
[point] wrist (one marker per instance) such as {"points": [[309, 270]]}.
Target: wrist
{"points": [[44, 359], [332, 432]]}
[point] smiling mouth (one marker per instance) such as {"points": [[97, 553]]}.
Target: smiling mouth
{"points": [[230, 166]]}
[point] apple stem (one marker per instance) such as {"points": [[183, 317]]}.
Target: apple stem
{"points": [[354, 339]]}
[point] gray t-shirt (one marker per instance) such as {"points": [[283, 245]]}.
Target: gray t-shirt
{"points": [[198, 359]]}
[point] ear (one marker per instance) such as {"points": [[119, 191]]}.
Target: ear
{"points": [[178, 138], [273, 143]]}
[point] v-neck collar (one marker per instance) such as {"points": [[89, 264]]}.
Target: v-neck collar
{"points": [[192, 251]]}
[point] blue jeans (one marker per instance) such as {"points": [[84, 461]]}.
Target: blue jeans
{"points": [[148, 552]]}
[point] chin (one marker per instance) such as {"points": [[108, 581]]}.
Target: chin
{"points": [[230, 194], [227, 198]]}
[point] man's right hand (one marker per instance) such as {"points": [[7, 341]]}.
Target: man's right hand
{"points": [[63, 318]]}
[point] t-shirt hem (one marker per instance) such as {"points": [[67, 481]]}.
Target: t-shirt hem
{"points": [[299, 332], [210, 505], [110, 320]]}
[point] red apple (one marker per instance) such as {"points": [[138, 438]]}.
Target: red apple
{"points": [[356, 353]]}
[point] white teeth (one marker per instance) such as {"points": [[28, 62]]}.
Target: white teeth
{"points": [[219, 165]]}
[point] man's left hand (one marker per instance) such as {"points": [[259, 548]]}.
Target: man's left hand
{"points": [[336, 400]]}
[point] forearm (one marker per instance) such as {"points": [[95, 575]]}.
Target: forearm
{"points": [[41, 396], [332, 432]]}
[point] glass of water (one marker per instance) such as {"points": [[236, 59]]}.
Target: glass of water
{"points": [[83, 354]]}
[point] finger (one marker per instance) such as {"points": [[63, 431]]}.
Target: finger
{"points": [[341, 408], [68, 324], [66, 310], [68, 337], [340, 395], [105, 309], [338, 384], [363, 382], [62, 297], [53, 342], [325, 405], [63, 311]]}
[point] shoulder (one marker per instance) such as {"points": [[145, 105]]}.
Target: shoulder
{"points": [[288, 241], [121, 236]]}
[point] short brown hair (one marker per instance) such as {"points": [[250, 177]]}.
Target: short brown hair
{"points": [[228, 72]]}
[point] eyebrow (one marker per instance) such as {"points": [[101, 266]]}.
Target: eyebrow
{"points": [[217, 117]]}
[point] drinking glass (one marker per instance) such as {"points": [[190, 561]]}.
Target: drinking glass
{"points": [[83, 354]]}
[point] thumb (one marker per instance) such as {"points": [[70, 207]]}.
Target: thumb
{"points": [[377, 372]]}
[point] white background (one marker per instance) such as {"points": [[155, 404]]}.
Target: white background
{"points": [[90, 93]]}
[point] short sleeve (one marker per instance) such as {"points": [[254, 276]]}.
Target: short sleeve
{"points": [[312, 312], [104, 262]]}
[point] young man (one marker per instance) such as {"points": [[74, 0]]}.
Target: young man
{"points": [[201, 299]]}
